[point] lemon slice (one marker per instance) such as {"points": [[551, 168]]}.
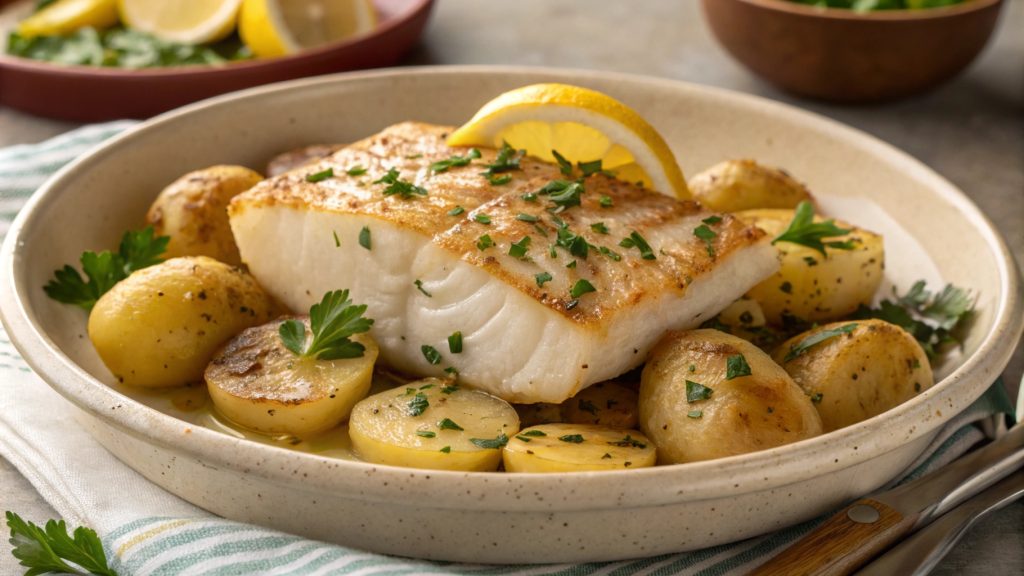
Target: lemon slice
{"points": [[186, 22], [582, 125], [278, 27], [66, 16]]}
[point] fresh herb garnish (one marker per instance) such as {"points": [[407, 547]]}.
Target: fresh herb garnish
{"points": [[804, 345], [496, 180], [736, 366], [635, 240], [451, 388], [364, 238], [482, 218], [696, 392], [492, 444], [449, 424], [524, 438], [337, 241], [426, 433], [803, 230], [581, 287], [694, 413], [519, 249], [455, 160], [576, 245], [542, 278], [446, 449], [396, 185], [456, 211], [571, 264], [712, 220], [529, 197], [431, 354], [816, 397], [708, 236], [50, 549], [606, 202], [356, 170], [455, 342], [484, 242], [320, 176], [419, 286], [137, 250], [563, 165], [572, 438], [331, 321], [563, 193], [615, 256], [526, 217], [629, 442], [507, 160], [535, 433], [599, 227], [590, 168], [930, 318], [418, 404]]}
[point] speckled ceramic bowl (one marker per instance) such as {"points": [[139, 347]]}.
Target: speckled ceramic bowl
{"points": [[501, 517]]}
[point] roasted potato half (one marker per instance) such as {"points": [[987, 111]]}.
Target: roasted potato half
{"points": [[862, 368], [577, 448], [736, 185], [162, 325], [193, 211], [706, 394], [815, 288], [258, 383]]}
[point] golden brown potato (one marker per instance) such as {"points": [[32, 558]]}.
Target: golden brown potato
{"points": [[606, 404], [864, 370], [692, 410], [815, 288], [162, 325], [299, 157], [193, 212], [736, 185], [539, 413]]}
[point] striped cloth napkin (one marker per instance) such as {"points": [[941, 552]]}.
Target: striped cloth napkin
{"points": [[148, 531]]}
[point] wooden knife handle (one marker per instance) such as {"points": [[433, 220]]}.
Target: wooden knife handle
{"points": [[844, 543]]}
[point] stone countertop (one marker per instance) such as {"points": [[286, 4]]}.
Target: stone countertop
{"points": [[970, 130]]}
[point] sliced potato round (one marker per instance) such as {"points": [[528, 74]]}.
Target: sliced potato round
{"points": [[433, 424], [193, 211], [606, 403], [257, 383], [814, 288], [697, 404], [736, 185], [162, 325], [859, 372], [577, 448]]}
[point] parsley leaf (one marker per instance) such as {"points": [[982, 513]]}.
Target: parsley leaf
{"points": [[564, 166], [137, 250], [635, 240], [696, 392], [572, 438], [357, 170], [563, 193], [50, 549], [804, 345], [455, 342], [576, 245], [590, 168], [431, 354], [419, 286], [736, 366], [456, 211], [606, 202], [320, 176], [930, 318], [418, 404], [449, 424], [708, 236], [484, 242], [331, 321], [454, 160], [542, 278], [493, 444], [482, 218], [519, 249], [805, 231], [535, 433], [581, 287], [364, 238], [396, 185], [507, 160], [599, 227], [629, 442]]}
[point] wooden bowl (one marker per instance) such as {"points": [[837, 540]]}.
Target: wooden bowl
{"points": [[843, 56], [92, 94]]}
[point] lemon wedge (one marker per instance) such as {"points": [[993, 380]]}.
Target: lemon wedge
{"points": [[186, 22], [278, 27], [66, 16], [583, 125]]}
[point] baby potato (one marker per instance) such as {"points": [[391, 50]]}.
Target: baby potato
{"points": [[706, 394], [577, 448], [161, 326], [606, 403], [193, 211], [258, 383], [539, 413], [736, 185], [434, 424], [815, 288], [868, 367]]}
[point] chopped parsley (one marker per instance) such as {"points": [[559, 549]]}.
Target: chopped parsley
{"points": [[524, 438], [696, 392], [364, 238], [635, 240], [606, 202], [320, 176], [572, 438], [526, 217], [599, 227], [484, 242], [736, 366], [492, 444], [482, 218], [529, 197], [506, 161], [337, 241], [542, 278], [426, 433], [803, 230], [930, 317], [535, 433], [816, 397], [629, 442], [563, 193], [519, 249], [563, 165], [694, 413], [571, 264], [419, 286], [356, 170], [449, 424], [456, 211], [708, 236], [431, 354], [804, 345], [712, 220], [418, 404], [396, 185], [455, 343], [446, 449], [587, 406], [786, 287], [454, 160], [496, 180], [590, 168], [576, 245], [615, 256], [581, 287], [332, 321], [451, 388]]}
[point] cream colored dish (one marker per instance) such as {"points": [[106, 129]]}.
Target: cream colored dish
{"points": [[513, 517]]}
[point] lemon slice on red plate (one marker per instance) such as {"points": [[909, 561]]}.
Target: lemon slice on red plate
{"points": [[278, 27], [583, 125], [183, 21], [66, 16]]}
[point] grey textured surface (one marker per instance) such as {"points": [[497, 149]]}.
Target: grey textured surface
{"points": [[971, 131]]}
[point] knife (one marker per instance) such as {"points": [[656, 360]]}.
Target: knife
{"points": [[866, 528]]}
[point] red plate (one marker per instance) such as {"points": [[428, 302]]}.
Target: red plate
{"points": [[90, 94]]}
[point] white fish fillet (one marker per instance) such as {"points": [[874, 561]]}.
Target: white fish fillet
{"points": [[521, 341]]}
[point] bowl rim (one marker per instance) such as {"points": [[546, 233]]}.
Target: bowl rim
{"points": [[753, 472], [198, 71], [847, 15]]}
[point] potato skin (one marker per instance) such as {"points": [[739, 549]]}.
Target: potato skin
{"points": [[193, 212], [161, 326], [858, 375], [745, 414], [736, 185], [815, 288]]}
